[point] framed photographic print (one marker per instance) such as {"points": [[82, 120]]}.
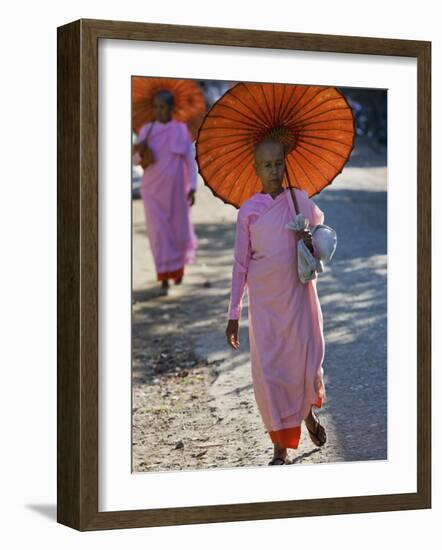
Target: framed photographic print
{"points": [[244, 236]]}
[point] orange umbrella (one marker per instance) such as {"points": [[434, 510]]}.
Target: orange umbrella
{"points": [[314, 123], [190, 104]]}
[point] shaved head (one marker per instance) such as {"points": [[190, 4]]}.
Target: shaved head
{"points": [[266, 144]]}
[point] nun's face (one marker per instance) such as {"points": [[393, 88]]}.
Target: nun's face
{"points": [[162, 111], [269, 166]]}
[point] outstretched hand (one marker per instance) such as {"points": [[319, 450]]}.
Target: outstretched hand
{"points": [[232, 333]]}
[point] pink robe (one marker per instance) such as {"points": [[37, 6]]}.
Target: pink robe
{"points": [[285, 318], [164, 188]]}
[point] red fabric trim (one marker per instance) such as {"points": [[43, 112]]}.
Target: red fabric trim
{"points": [[175, 275], [288, 438]]}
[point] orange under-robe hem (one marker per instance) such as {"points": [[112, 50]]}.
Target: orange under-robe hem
{"points": [[288, 438], [175, 275]]}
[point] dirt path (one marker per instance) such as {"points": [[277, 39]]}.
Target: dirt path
{"points": [[193, 403]]}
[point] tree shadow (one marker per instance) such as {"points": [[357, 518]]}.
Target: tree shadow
{"points": [[353, 295]]}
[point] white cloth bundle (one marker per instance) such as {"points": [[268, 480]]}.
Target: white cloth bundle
{"points": [[324, 244]]}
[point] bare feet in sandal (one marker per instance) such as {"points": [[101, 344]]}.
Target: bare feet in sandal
{"points": [[315, 429], [279, 456], [164, 288]]}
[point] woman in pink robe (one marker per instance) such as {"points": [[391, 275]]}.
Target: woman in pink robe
{"points": [[285, 318], [167, 189]]}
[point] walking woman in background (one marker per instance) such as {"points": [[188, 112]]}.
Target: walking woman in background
{"points": [[168, 190], [285, 318]]}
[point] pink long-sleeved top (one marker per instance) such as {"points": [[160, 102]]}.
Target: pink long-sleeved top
{"points": [[167, 139], [249, 212]]}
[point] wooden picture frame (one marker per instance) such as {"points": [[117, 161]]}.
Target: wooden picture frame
{"points": [[77, 224]]}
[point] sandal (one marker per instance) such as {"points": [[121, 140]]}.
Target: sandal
{"points": [[314, 436], [164, 288], [277, 461]]}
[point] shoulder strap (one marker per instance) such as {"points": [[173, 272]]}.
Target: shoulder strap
{"points": [[148, 133]]}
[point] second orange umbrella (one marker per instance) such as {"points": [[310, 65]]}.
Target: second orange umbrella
{"points": [[189, 107]]}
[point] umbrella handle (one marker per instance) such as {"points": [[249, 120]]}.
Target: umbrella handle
{"points": [[295, 202]]}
